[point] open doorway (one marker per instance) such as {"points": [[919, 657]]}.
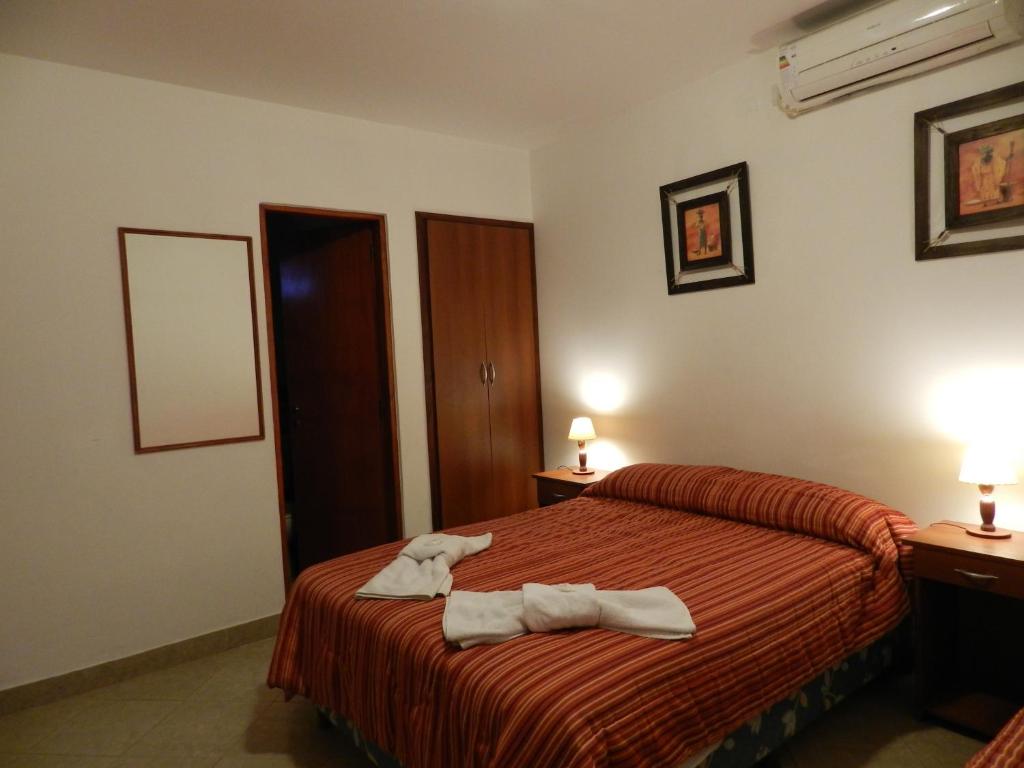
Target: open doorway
{"points": [[332, 382]]}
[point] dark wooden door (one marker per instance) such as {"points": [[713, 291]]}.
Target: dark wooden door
{"points": [[480, 353], [510, 310], [336, 385], [462, 432]]}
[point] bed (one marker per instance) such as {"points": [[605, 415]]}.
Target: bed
{"points": [[1006, 750], [786, 580]]}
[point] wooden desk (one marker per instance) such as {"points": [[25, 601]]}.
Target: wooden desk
{"points": [[561, 485], [969, 610]]}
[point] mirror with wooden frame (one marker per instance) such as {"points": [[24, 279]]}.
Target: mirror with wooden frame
{"points": [[190, 321]]}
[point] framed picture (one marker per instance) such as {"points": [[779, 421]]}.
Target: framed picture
{"points": [[969, 175], [985, 173], [705, 238], [706, 227], [193, 350]]}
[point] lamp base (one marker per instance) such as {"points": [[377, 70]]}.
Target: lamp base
{"points": [[998, 533], [579, 471]]}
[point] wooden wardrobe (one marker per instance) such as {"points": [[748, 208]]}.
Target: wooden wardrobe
{"points": [[479, 303]]}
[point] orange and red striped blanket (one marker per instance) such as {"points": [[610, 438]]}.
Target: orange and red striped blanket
{"points": [[1006, 750], [774, 606]]}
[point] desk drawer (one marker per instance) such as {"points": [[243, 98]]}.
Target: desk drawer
{"points": [[552, 492], [971, 572]]}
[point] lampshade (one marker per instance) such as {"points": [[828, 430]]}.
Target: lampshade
{"points": [[582, 429], [987, 464]]}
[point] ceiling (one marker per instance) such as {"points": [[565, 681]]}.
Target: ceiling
{"points": [[514, 72]]}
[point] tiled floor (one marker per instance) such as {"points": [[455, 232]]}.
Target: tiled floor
{"points": [[218, 712]]}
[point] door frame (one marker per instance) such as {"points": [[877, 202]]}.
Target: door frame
{"points": [[426, 325], [387, 338]]}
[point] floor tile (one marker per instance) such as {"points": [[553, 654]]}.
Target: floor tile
{"points": [[198, 728], [20, 731], [277, 761], [292, 729], [168, 761], [56, 761], [240, 677], [104, 728], [261, 649], [172, 684]]}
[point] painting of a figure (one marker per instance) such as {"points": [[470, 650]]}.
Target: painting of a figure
{"points": [[987, 173], [704, 236]]}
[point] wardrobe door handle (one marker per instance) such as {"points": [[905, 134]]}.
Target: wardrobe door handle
{"points": [[491, 372], [483, 374]]}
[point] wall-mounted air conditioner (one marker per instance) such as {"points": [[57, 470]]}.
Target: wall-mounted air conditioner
{"points": [[891, 41]]}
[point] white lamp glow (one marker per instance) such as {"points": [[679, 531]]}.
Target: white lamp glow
{"points": [[982, 404], [987, 464], [603, 392], [581, 430]]}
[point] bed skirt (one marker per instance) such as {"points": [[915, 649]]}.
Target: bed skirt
{"points": [[761, 735]]}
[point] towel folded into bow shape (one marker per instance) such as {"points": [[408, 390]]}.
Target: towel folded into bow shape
{"points": [[478, 618]]}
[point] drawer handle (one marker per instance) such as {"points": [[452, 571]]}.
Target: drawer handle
{"points": [[559, 496], [985, 579]]}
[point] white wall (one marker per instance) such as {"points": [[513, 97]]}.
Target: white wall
{"points": [[104, 553], [834, 364]]}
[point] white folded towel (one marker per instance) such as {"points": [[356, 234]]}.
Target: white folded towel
{"points": [[653, 612], [561, 606], [454, 548], [423, 567], [477, 618]]}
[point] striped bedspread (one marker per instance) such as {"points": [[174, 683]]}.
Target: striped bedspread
{"points": [[1006, 750], [781, 576]]}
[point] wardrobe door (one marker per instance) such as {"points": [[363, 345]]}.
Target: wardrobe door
{"points": [[479, 309], [513, 371], [461, 475]]}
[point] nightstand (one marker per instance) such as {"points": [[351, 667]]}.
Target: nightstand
{"points": [[969, 625], [562, 485]]}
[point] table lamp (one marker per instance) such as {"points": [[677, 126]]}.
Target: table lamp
{"points": [[581, 430], [987, 466]]}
